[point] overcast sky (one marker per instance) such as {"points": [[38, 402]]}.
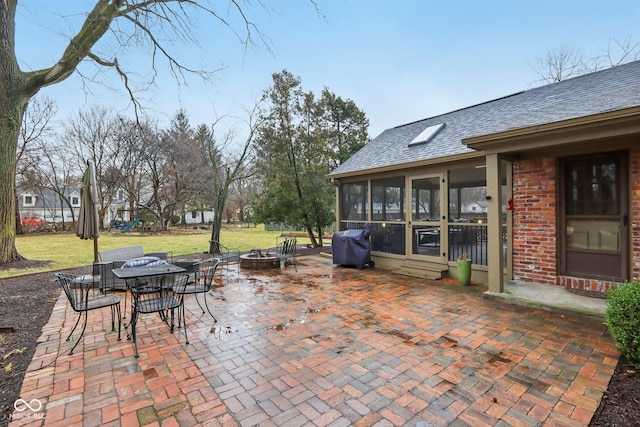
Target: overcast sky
{"points": [[399, 61]]}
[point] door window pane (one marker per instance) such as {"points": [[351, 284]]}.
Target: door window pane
{"points": [[592, 187], [598, 235], [426, 240], [425, 199]]}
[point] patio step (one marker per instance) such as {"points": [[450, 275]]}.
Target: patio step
{"points": [[421, 270]]}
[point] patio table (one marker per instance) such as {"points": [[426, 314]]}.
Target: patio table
{"points": [[144, 271]]}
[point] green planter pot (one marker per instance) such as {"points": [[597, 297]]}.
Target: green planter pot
{"points": [[464, 272]]}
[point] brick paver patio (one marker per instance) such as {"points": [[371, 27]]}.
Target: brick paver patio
{"points": [[326, 346]]}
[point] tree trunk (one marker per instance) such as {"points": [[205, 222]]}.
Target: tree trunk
{"points": [[218, 208], [11, 114], [320, 243], [19, 228], [12, 107], [215, 229], [312, 237]]}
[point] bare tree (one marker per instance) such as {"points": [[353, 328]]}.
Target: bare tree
{"points": [[149, 23], [560, 64], [225, 168], [92, 135], [243, 194], [55, 174], [36, 127], [128, 175], [566, 62], [620, 52]]}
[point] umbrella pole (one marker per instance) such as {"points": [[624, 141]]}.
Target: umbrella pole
{"points": [[94, 198], [95, 250]]}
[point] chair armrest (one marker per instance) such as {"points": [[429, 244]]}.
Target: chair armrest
{"points": [[224, 250], [225, 253]]}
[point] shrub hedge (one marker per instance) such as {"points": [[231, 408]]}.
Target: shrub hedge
{"points": [[623, 320]]}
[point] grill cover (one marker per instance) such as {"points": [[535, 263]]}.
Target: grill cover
{"points": [[351, 247]]}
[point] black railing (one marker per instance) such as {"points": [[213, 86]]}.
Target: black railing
{"points": [[470, 240]]}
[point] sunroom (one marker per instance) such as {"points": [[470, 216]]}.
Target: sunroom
{"points": [[539, 186]]}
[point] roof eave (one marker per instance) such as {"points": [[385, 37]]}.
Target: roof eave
{"points": [[408, 165], [597, 127]]}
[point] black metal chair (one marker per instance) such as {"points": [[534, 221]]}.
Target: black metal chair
{"points": [[153, 295], [77, 292], [224, 253], [287, 252], [204, 275]]}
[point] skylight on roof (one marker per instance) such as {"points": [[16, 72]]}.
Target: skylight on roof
{"points": [[427, 134]]}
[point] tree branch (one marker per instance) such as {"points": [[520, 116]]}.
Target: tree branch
{"points": [[95, 26], [114, 64]]}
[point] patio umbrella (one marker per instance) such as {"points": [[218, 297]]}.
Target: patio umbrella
{"points": [[87, 225]]}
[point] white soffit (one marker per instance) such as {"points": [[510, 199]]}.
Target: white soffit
{"points": [[426, 135]]}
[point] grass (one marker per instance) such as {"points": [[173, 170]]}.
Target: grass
{"points": [[66, 250]]}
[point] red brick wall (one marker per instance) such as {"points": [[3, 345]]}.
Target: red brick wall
{"points": [[635, 211], [534, 224], [534, 220]]}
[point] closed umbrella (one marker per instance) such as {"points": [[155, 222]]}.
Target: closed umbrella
{"points": [[87, 225]]}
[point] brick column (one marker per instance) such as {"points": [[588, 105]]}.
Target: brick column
{"points": [[534, 220]]}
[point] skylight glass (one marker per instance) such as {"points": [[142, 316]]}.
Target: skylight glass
{"points": [[426, 135]]}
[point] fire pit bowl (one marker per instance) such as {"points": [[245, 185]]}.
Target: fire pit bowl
{"points": [[259, 259]]}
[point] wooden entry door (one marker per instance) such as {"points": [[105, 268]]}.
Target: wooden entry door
{"points": [[595, 216]]}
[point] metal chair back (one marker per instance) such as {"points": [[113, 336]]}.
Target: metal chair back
{"points": [[287, 252], [206, 273], [152, 294], [204, 276], [155, 294], [81, 298]]}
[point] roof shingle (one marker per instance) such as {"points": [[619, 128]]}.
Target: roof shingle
{"points": [[603, 91]]}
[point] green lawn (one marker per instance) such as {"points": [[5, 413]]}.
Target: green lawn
{"points": [[67, 250]]}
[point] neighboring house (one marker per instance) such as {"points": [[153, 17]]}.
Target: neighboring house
{"points": [[45, 204], [559, 167], [475, 207], [199, 217], [42, 204]]}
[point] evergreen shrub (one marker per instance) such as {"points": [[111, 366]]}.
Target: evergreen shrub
{"points": [[623, 320]]}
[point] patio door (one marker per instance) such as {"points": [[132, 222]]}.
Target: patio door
{"points": [[425, 237]]}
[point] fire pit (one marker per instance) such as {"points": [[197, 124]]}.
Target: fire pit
{"points": [[259, 259]]}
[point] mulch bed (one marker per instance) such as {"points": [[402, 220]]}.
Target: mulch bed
{"points": [[26, 303]]}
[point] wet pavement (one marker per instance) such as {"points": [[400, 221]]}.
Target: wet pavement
{"points": [[327, 346]]}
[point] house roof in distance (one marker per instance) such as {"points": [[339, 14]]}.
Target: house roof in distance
{"points": [[612, 89]]}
